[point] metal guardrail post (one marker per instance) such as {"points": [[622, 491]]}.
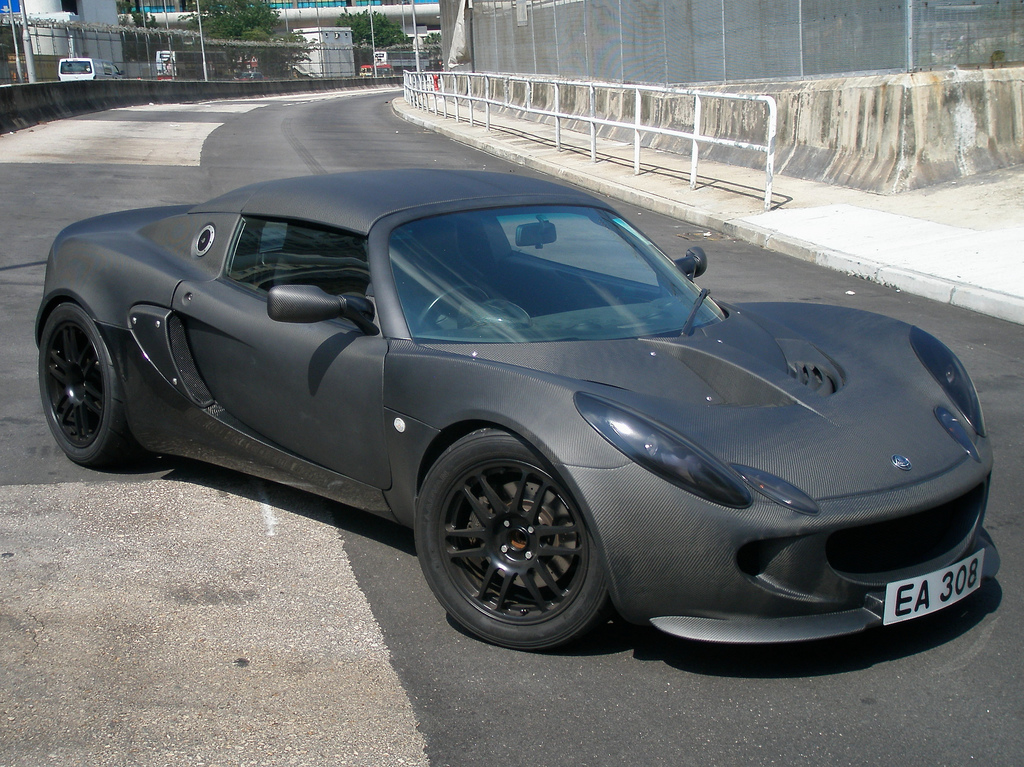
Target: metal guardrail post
{"points": [[558, 122], [593, 123], [636, 133], [769, 165], [695, 144], [487, 102], [470, 103]]}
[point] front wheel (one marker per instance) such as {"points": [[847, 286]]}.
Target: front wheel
{"points": [[81, 391], [505, 548]]}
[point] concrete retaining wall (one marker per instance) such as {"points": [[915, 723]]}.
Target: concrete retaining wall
{"points": [[22, 106], [881, 133], [891, 133]]}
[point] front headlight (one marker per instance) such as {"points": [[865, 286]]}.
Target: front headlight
{"points": [[950, 374], [665, 453]]}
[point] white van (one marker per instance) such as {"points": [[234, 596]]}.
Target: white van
{"points": [[87, 69]]}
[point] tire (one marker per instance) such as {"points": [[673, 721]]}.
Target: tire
{"points": [[81, 390], [505, 548]]}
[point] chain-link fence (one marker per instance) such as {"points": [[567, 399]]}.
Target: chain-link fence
{"points": [[699, 41], [160, 53]]}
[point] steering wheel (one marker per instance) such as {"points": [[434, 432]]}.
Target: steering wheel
{"points": [[499, 311], [449, 303]]}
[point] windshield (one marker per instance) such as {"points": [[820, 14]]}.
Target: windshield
{"points": [[541, 273], [76, 67]]}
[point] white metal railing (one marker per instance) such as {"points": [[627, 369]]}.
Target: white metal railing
{"points": [[434, 91]]}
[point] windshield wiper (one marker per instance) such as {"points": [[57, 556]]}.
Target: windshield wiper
{"points": [[688, 326]]}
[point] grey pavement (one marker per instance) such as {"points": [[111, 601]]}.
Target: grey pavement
{"points": [[174, 623], [960, 242]]}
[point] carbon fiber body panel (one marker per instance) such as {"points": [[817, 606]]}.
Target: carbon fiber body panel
{"points": [[833, 403]]}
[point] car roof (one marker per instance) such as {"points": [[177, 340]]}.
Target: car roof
{"points": [[355, 201]]}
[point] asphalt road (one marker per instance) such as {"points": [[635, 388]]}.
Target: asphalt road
{"points": [[941, 690]]}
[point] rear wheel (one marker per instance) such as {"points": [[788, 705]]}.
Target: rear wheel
{"points": [[505, 548], [81, 391]]}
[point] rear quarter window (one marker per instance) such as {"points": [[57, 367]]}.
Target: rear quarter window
{"points": [[268, 253]]}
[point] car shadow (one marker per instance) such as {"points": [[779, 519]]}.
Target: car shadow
{"points": [[823, 657], [294, 501], [772, 661], [837, 655]]}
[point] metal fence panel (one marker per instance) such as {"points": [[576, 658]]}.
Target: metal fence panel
{"points": [[149, 53], [648, 114], [692, 41], [844, 36]]}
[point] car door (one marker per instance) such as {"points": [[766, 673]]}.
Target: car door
{"points": [[314, 389]]}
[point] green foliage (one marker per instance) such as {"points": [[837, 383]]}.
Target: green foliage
{"points": [[126, 9], [386, 33], [237, 19]]}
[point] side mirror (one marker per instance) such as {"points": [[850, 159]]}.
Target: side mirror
{"points": [[694, 263], [309, 303]]}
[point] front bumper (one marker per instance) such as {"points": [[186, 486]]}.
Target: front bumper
{"points": [[767, 573], [797, 628]]}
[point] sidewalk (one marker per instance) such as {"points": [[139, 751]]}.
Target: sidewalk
{"points": [[961, 242]]}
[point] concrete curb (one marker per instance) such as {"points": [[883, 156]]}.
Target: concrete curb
{"points": [[982, 300]]}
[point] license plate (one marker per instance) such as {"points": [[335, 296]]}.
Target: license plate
{"points": [[919, 596]]}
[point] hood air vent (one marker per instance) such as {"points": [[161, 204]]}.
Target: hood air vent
{"points": [[808, 365], [815, 377]]}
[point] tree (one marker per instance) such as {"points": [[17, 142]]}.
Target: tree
{"points": [[128, 14], [238, 19], [386, 32]]}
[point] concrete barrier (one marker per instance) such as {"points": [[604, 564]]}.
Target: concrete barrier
{"points": [[889, 133], [22, 106], [879, 133]]}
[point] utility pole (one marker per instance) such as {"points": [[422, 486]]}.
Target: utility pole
{"points": [[14, 38], [415, 37], [320, 42], [202, 42], [373, 42], [30, 57]]}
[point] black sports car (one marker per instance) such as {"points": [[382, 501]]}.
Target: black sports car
{"points": [[568, 423]]}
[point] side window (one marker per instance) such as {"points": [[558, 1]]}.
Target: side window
{"points": [[269, 253]]}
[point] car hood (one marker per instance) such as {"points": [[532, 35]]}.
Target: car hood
{"points": [[821, 396]]}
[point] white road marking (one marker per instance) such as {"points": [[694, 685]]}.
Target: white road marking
{"points": [[269, 520], [136, 142], [203, 108], [116, 142]]}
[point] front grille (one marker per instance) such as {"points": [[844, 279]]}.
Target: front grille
{"points": [[905, 542]]}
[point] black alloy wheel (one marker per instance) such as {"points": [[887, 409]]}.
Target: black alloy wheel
{"points": [[505, 548], [81, 391]]}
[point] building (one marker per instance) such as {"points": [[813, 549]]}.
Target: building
{"points": [[330, 53], [74, 44]]}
